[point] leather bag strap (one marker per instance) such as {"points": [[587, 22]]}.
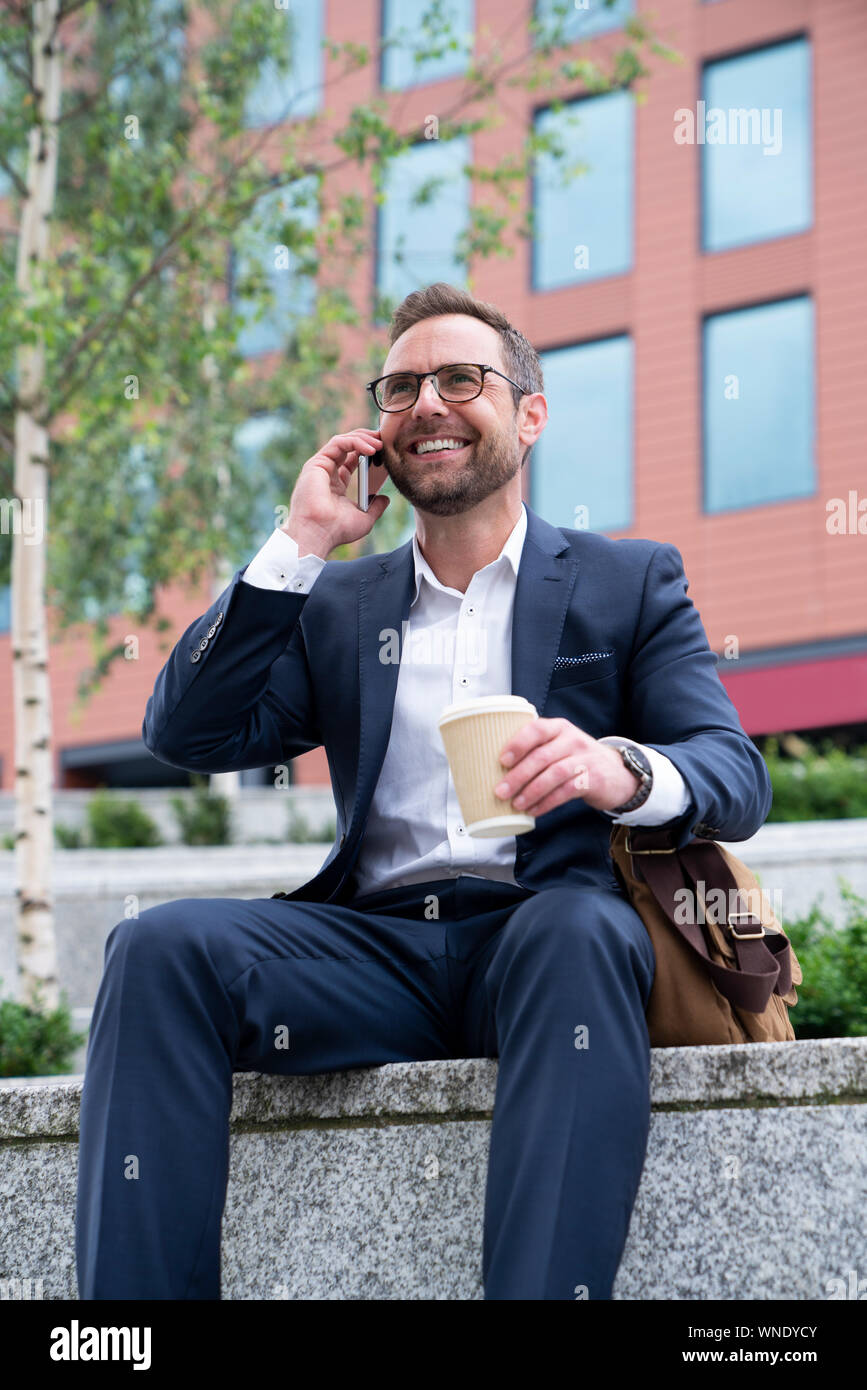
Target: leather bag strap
{"points": [[763, 962]]}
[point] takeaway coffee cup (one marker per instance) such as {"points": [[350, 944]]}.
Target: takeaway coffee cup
{"points": [[473, 732]]}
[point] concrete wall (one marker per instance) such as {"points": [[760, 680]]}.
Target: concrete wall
{"points": [[369, 1184]]}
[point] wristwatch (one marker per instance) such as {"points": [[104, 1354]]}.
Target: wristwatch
{"points": [[638, 763]]}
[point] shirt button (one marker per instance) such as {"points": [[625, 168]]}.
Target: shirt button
{"points": [[299, 583], [464, 680], [471, 609], [460, 830]]}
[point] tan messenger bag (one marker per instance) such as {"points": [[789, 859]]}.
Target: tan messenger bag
{"points": [[724, 974]]}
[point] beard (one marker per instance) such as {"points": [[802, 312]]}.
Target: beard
{"points": [[442, 488]]}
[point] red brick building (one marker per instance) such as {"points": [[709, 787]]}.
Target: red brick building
{"points": [[704, 287]]}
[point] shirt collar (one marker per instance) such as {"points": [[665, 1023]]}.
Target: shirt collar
{"points": [[511, 551]]}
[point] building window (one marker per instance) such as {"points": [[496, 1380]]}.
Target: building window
{"points": [[421, 221], [258, 438], [447, 41], [583, 227], [275, 249], [756, 126], [582, 462], [277, 96], [571, 20], [166, 20], [758, 405]]}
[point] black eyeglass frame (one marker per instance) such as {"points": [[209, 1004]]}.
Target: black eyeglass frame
{"points": [[483, 367]]}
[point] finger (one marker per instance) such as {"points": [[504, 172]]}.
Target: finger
{"points": [[565, 769], [344, 448], [565, 792], [531, 735], [538, 758]]}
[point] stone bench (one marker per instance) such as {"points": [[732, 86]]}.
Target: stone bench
{"points": [[369, 1184]]}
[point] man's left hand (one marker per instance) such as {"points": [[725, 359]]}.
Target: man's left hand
{"points": [[553, 761]]}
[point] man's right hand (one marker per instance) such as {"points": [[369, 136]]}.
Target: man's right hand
{"points": [[321, 516]]}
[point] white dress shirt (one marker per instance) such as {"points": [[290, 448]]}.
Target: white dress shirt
{"points": [[454, 647]]}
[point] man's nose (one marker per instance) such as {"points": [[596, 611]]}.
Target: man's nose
{"points": [[428, 396]]}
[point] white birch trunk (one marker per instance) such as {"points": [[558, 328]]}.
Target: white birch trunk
{"points": [[34, 823], [220, 783]]}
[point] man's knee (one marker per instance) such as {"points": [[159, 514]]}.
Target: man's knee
{"points": [[163, 932], [568, 920]]}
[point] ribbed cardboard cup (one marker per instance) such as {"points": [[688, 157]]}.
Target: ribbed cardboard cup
{"points": [[473, 732]]}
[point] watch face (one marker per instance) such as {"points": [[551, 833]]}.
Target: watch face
{"points": [[640, 760]]}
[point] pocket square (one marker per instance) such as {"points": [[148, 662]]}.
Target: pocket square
{"points": [[569, 661]]}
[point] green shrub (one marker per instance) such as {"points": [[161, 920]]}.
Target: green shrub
{"points": [[8, 841], [205, 818], [832, 1001], [68, 836], [115, 823], [826, 784], [299, 831], [36, 1042]]}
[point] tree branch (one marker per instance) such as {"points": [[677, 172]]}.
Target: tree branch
{"points": [[15, 178]]}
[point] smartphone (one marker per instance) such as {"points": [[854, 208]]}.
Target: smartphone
{"points": [[365, 462]]}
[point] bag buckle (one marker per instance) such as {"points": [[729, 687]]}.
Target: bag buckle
{"points": [[630, 850], [743, 935]]}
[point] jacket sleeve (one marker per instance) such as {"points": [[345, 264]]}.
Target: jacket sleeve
{"points": [[236, 691], [677, 704]]}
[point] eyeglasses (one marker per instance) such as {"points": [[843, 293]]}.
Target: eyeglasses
{"points": [[460, 381]]}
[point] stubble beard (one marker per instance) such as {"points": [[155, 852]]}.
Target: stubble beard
{"points": [[446, 489]]}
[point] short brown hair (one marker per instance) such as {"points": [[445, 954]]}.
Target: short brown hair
{"points": [[520, 358]]}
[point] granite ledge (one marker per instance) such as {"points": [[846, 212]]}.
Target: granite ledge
{"points": [[821, 1070]]}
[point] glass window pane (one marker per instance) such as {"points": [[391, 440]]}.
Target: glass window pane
{"points": [[252, 439], [757, 155], [583, 230], [293, 291], [167, 17], [417, 240], [582, 463], [450, 44], [758, 405], [581, 19], [280, 96]]}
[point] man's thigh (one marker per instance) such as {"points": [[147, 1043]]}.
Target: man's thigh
{"points": [[312, 987], [566, 945]]}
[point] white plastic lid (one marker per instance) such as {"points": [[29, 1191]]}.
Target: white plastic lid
{"points": [[485, 704]]}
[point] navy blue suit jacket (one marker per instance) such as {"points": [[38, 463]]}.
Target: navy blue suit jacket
{"points": [[265, 675]]}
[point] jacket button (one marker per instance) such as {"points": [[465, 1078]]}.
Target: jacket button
{"points": [[211, 631], [194, 656], [219, 618], [342, 838], [203, 644]]}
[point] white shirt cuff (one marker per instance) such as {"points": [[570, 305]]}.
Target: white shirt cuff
{"points": [[669, 795], [277, 566]]}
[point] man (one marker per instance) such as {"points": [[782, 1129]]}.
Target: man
{"points": [[530, 942]]}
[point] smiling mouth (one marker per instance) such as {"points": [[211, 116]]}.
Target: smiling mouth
{"points": [[436, 453]]}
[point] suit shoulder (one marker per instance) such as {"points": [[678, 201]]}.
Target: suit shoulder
{"points": [[626, 552]]}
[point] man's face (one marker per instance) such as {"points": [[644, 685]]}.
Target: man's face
{"points": [[446, 483]]}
